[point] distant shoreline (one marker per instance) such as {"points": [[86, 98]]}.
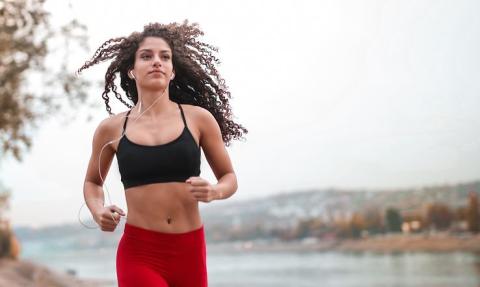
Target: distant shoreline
{"points": [[390, 243], [15, 273], [440, 242]]}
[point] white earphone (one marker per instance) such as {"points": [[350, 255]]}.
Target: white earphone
{"points": [[131, 74]]}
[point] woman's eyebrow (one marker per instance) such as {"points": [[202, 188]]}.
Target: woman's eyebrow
{"points": [[150, 50]]}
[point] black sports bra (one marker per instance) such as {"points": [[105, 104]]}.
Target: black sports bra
{"points": [[144, 164]]}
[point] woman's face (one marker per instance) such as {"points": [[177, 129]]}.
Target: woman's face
{"points": [[153, 68]]}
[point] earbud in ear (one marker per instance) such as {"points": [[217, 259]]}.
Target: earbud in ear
{"points": [[131, 74], [172, 77]]}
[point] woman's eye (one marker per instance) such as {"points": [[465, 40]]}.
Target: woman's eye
{"points": [[147, 57]]}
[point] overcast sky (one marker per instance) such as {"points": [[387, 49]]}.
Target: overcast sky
{"points": [[347, 94]]}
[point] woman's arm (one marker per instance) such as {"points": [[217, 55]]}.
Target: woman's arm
{"points": [[217, 157], [92, 188]]}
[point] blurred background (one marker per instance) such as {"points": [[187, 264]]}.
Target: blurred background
{"points": [[361, 166]]}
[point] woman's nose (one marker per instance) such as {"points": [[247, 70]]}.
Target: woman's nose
{"points": [[156, 61]]}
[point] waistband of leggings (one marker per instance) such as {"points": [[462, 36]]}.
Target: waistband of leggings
{"points": [[142, 233]]}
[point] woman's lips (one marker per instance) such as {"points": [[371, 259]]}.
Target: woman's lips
{"points": [[156, 74]]}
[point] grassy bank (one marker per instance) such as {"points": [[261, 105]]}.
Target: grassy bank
{"points": [[380, 243], [441, 242]]}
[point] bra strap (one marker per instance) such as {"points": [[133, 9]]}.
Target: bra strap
{"points": [[125, 123], [183, 115]]}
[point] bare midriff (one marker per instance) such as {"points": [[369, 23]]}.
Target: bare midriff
{"points": [[164, 207]]}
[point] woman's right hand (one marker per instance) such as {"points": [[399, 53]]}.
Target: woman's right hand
{"points": [[108, 217]]}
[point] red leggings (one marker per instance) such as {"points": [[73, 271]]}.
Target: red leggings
{"points": [[151, 258]]}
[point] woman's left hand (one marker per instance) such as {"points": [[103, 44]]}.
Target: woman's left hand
{"points": [[202, 190]]}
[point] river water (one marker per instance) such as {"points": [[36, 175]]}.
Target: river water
{"points": [[289, 269]]}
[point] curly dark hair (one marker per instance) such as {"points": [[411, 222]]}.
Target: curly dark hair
{"points": [[197, 81]]}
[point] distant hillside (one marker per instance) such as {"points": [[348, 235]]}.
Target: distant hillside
{"points": [[282, 211], [286, 209]]}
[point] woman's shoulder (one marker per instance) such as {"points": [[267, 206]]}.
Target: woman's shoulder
{"points": [[203, 119], [196, 112], [111, 125]]}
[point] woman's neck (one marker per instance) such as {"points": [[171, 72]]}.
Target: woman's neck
{"points": [[153, 103]]}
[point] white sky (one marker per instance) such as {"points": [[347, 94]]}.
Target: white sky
{"points": [[361, 94]]}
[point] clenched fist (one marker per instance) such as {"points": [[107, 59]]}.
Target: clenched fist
{"points": [[108, 217]]}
